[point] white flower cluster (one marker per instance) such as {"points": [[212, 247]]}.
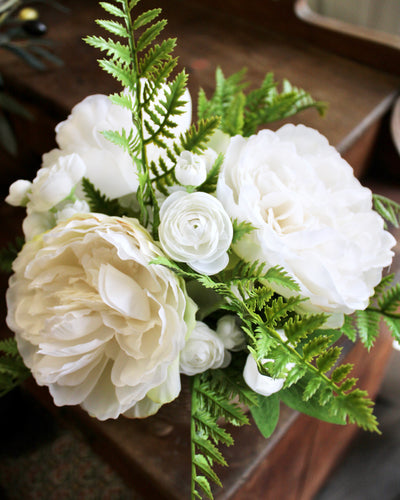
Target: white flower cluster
{"points": [[101, 326]]}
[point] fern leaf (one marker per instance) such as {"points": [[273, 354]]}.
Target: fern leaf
{"points": [[9, 253], [387, 209], [328, 359], [113, 27], [9, 347], [115, 50], [146, 18], [210, 450], [349, 329], [315, 347], [204, 485], [298, 328], [390, 300], [240, 229], [341, 373], [357, 408], [150, 35], [196, 138], [311, 388], [394, 326], [280, 277], [100, 203], [208, 426], [368, 326], [210, 184], [116, 70], [112, 9]]}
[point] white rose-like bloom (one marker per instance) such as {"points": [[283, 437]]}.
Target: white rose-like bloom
{"points": [[94, 321], [311, 215], [196, 229], [204, 350], [261, 384], [230, 333]]}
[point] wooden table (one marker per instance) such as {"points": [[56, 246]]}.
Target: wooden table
{"points": [[154, 455]]}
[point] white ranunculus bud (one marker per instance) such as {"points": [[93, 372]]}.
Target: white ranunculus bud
{"points": [[396, 345], [262, 384], [203, 350], [195, 229], [53, 184], [230, 333], [18, 195], [191, 169]]}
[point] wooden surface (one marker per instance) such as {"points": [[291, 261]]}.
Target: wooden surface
{"points": [[358, 95]]}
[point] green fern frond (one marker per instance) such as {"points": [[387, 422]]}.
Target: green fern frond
{"points": [[9, 253], [196, 138], [115, 50], [387, 209], [240, 229], [297, 328], [112, 9], [99, 203], [389, 301], [146, 18], [349, 329], [12, 369], [368, 326], [210, 184], [113, 27], [279, 276]]}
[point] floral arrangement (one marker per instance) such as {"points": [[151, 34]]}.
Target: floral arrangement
{"points": [[157, 247]]}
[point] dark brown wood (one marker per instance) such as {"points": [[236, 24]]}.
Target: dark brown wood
{"points": [[280, 17]]}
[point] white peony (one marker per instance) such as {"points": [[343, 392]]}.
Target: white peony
{"points": [[94, 321], [204, 350], [311, 215], [196, 229]]}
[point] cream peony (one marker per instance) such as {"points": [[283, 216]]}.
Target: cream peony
{"points": [[204, 350], [311, 215], [94, 321], [196, 229]]}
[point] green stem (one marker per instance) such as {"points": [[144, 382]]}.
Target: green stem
{"points": [[384, 313], [194, 388]]}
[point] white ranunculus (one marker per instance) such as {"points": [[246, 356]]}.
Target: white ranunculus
{"points": [[261, 384], [196, 229], [18, 194], [204, 350], [311, 215], [230, 333], [53, 184], [94, 321]]}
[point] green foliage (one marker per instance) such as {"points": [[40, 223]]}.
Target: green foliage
{"points": [[213, 393], [99, 203], [266, 414], [12, 369], [243, 113], [9, 253], [388, 209], [240, 229]]}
